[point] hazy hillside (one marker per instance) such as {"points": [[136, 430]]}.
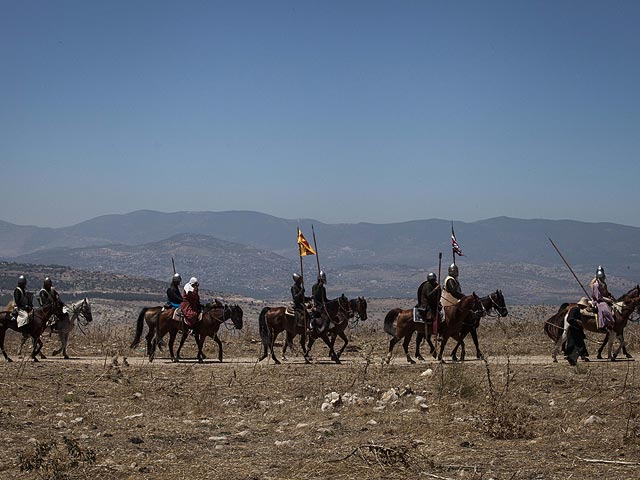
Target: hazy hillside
{"points": [[254, 254]]}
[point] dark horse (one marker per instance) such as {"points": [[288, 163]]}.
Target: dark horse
{"points": [[150, 316], [554, 327], [213, 315], [358, 312], [272, 321], [36, 326], [399, 324], [487, 304], [209, 326]]}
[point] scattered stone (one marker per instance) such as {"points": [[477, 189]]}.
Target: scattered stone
{"points": [[135, 440], [137, 415], [61, 424], [220, 439], [282, 443], [593, 419], [419, 399], [324, 430], [552, 403], [137, 395], [77, 420], [32, 440], [171, 456], [372, 422], [335, 414], [389, 396], [243, 434], [302, 425], [379, 408], [424, 407], [406, 390], [427, 373], [326, 407], [84, 436]]}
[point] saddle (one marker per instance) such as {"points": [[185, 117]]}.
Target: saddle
{"points": [[178, 316], [290, 311]]}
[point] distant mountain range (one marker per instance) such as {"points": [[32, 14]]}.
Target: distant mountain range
{"points": [[254, 254]]}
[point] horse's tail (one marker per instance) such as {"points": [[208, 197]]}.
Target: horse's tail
{"points": [[265, 334], [139, 327], [389, 319]]}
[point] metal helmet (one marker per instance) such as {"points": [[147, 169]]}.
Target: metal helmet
{"points": [[322, 276], [47, 282], [176, 278], [431, 277], [453, 270], [22, 281], [600, 274], [296, 277]]}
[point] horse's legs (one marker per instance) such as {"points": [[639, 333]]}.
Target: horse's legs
{"points": [[432, 348], [610, 347], [604, 343], [474, 336], [332, 353], [624, 347], [419, 338], [183, 338], [172, 338], [3, 331], [149, 337], [445, 337], [620, 346], [34, 350], [217, 340], [405, 346], [307, 354], [24, 339], [64, 338], [344, 339], [392, 343], [200, 343]]}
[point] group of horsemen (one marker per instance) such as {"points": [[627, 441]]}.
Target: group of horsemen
{"points": [[23, 300], [431, 298]]}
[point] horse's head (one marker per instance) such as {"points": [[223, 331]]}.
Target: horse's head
{"points": [[236, 316], [359, 307], [497, 299], [85, 311]]}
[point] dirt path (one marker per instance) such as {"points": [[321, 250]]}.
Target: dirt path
{"points": [[250, 362]]}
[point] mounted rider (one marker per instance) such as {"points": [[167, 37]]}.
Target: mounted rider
{"points": [[174, 295], [299, 299], [190, 304], [47, 294], [603, 299], [319, 295], [429, 294], [23, 301], [451, 291]]}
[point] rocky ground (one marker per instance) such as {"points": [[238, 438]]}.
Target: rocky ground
{"points": [[508, 418]]}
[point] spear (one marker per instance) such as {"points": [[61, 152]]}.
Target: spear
{"points": [[569, 267], [315, 246], [173, 264], [435, 322]]}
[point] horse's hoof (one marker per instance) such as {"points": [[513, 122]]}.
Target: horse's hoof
{"points": [[43, 357], [338, 362], [284, 359], [555, 360], [174, 360], [480, 356], [599, 357], [35, 359], [585, 359], [9, 360], [66, 357], [200, 360], [411, 361], [421, 358], [628, 355], [276, 361], [454, 358]]}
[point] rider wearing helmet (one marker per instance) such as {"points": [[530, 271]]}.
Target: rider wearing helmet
{"points": [[603, 299], [174, 295], [47, 293], [297, 294], [318, 291], [451, 291], [429, 296], [23, 301]]}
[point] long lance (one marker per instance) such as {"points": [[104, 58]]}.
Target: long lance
{"points": [[304, 309], [435, 323], [569, 267], [173, 264], [315, 246]]}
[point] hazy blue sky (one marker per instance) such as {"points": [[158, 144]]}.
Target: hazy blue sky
{"points": [[341, 111]]}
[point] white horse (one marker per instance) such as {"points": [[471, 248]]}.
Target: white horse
{"points": [[80, 311]]}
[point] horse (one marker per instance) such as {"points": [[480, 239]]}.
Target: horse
{"points": [[166, 324], [554, 327], [399, 324], [272, 321], [65, 324], [358, 312], [208, 326], [493, 301], [36, 326], [150, 316]]}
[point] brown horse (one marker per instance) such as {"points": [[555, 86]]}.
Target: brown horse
{"points": [[36, 326], [273, 321], [554, 327], [209, 326], [399, 324], [148, 315], [494, 301]]}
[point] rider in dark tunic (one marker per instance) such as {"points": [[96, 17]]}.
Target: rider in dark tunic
{"points": [[575, 337], [429, 296], [48, 294], [22, 299], [174, 295], [299, 299], [319, 295]]}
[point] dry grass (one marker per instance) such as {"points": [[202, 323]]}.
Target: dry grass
{"points": [[261, 421]]}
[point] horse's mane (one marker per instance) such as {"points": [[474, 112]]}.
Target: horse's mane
{"points": [[629, 292]]}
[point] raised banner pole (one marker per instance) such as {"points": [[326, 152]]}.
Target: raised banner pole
{"points": [[315, 246]]}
